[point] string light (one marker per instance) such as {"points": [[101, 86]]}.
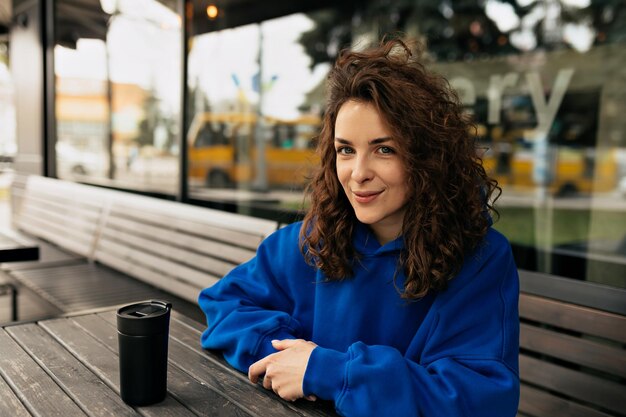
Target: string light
{"points": [[212, 11]]}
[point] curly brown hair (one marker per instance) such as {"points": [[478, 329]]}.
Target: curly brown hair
{"points": [[450, 206]]}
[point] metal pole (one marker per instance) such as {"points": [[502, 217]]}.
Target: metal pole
{"points": [[260, 183], [183, 188], [109, 88], [13, 303]]}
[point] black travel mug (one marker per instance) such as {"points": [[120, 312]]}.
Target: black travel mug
{"points": [[143, 332]]}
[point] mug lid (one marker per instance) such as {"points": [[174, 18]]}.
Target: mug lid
{"points": [[146, 317]]}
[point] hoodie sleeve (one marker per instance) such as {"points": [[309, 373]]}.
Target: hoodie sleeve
{"points": [[248, 308], [463, 362]]}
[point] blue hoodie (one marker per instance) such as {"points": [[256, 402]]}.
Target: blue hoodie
{"points": [[452, 353]]}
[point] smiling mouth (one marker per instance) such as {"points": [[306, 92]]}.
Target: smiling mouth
{"points": [[365, 196]]}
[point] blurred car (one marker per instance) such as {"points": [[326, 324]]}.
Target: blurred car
{"points": [[74, 162]]}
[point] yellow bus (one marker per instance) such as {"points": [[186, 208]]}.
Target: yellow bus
{"points": [[565, 159], [223, 152], [563, 170]]}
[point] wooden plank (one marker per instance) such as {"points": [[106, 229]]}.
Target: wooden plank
{"points": [[573, 291], [83, 286], [16, 237], [569, 316], [164, 248], [78, 243], [18, 275], [77, 199], [253, 399], [217, 374], [539, 403], [10, 405], [138, 205], [33, 386], [592, 389], [574, 349], [138, 261], [244, 238], [184, 320], [66, 208], [189, 240], [82, 194], [158, 279], [144, 260], [85, 388], [49, 255], [62, 212], [187, 332], [53, 214], [97, 347], [63, 207]]}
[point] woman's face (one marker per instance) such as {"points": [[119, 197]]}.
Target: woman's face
{"points": [[370, 169]]}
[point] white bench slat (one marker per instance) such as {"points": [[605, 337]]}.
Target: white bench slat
{"points": [[84, 194], [66, 214], [144, 260], [179, 288], [65, 203], [222, 232], [60, 220], [166, 251], [237, 222], [77, 242], [196, 243], [65, 206]]}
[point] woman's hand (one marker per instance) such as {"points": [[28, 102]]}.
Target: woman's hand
{"points": [[284, 370]]}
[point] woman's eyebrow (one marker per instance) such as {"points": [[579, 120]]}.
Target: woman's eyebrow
{"points": [[343, 141], [376, 141]]}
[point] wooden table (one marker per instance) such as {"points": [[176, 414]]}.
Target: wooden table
{"points": [[69, 367], [14, 248]]}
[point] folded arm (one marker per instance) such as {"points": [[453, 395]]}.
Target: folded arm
{"points": [[378, 380]]}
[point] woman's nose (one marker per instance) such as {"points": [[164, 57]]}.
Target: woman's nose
{"points": [[362, 170]]}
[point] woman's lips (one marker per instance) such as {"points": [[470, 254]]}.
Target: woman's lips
{"points": [[365, 196]]}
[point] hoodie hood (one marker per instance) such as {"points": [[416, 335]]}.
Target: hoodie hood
{"points": [[366, 243]]}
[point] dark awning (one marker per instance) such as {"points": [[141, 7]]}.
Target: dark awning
{"points": [[5, 16], [234, 13], [76, 19]]}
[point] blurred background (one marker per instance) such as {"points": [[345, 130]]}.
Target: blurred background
{"points": [[218, 103]]}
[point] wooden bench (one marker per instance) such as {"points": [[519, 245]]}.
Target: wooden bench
{"points": [[176, 247], [63, 216], [123, 247], [572, 348]]}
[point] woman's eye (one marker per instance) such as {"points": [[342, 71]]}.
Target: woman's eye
{"points": [[344, 151], [385, 150]]}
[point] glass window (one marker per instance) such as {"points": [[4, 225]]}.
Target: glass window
{"points": [[543, 83], [543, 79], [224, 108], [8, 145], [256, 97], [118, 87]]}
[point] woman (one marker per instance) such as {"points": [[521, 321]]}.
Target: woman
{"points": [[394, 297]]}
